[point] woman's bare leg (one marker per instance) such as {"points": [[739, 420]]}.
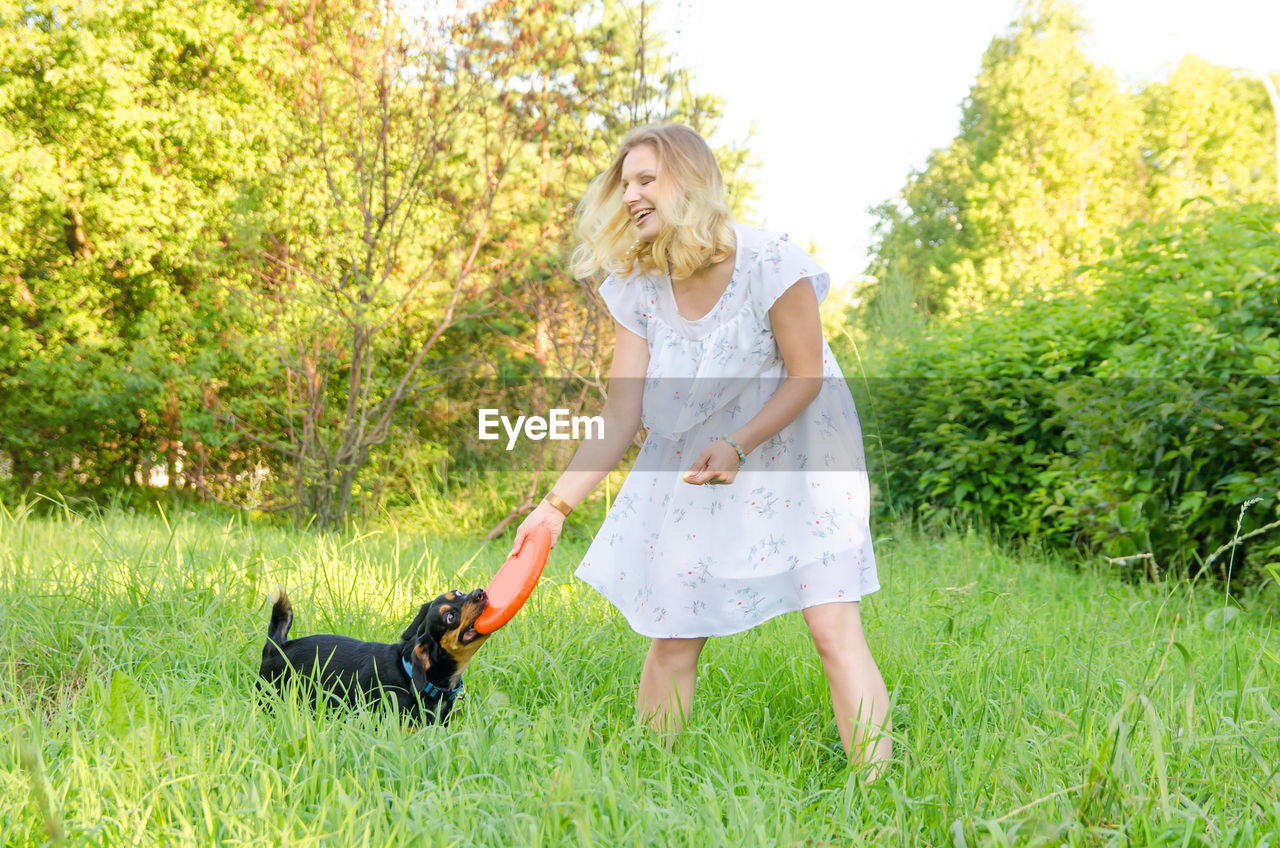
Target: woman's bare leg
{"points": [[666, 684], [858, 694]]}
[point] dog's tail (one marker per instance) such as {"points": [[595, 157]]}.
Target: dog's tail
{"points": [[281, 619]]}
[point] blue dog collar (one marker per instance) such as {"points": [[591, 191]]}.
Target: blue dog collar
{"points": [[431, 690]]}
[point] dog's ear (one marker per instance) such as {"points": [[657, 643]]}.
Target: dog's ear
{"points": [[419, 622], [422, 663]]}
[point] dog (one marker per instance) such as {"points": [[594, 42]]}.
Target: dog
{"points": [[421, 674]]}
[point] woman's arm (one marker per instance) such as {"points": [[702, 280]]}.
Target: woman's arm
{"points": [[595, 458], [797, 329]]}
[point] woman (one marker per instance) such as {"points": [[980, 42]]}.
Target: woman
{"points": [[719, 354]]}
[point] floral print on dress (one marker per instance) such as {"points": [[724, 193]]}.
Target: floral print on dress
{"points": [[792, 531]]}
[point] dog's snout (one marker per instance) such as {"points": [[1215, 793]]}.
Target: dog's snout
{"points": [[480, 596]]}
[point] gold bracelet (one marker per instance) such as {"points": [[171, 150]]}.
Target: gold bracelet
{"points": [[558, 502]]}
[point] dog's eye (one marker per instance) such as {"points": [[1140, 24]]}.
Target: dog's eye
{"points": [[451, 617]]}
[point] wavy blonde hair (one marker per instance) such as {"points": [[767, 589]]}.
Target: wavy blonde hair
{"points": [[696, 229]]}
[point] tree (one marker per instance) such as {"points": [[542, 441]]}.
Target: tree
{"points": [[1046, 164], [447, 153], [1051, 160], [124, 125], [271, 248], [1207, 131]]}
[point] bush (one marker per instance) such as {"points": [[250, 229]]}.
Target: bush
{"points": [[1136, 416]]}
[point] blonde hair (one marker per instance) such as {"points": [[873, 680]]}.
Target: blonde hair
{"points": [[696, 229]]}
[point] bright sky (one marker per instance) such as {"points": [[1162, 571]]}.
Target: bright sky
{"points": [[847, 98]]}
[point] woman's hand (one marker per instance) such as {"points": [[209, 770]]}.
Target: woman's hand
{"points": [[716, 465], [545, 515]]}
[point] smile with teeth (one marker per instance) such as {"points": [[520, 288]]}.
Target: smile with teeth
{"points": [[641, 215]]}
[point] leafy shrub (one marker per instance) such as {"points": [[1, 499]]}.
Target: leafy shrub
{"points": [[1180, 425], [1135, 416]]}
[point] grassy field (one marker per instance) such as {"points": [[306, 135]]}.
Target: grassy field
{"points": [[1034, 704]]}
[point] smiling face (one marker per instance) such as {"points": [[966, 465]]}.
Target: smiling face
{"points": [[640, 190]]}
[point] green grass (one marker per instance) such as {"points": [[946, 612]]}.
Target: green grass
{"points": [[1034, 704]]}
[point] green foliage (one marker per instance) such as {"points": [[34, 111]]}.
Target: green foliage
{"points": [[1052, 158], [1179, 426], [273, 249], [963, 416], [1044, 167], [1134, 418], [1109, 392], [562, 82], [1208, 132], [128, 124]]}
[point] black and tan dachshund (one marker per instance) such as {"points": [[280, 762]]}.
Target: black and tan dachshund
{"points": [[421, 674]]}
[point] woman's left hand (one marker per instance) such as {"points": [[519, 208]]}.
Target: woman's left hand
{"points": [[716, 465]]}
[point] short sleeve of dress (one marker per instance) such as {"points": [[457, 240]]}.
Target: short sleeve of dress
{"points": [[628, 302], [782, 265]]}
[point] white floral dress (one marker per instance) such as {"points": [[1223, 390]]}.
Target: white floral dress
{"points": [[791, 531]]}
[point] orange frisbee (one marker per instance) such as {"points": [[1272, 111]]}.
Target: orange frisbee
{"points": [[512, 585]]}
